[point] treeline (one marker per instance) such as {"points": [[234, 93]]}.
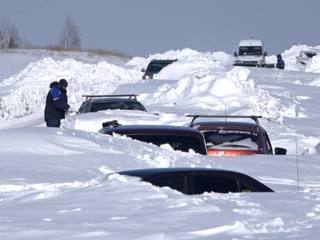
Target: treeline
{"points": [[69, 37]]}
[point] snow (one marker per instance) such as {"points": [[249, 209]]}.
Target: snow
{"points": [[62, 183], [290, 57], [93, 121], [314, 65], [31, 84]]}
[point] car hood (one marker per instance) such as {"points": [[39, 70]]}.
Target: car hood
{"points": [[92, 122]]}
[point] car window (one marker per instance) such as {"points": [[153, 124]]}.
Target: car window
{"points": [[175, 181], [248, 184], [244, 187], [181, 143], [155, 68], [268, 143], [310, 55], [231, 138], [213, 183], [247, 50], [100, 106], [83, 108]]}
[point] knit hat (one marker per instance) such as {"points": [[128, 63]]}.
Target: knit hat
{"points": [[63, 83]]}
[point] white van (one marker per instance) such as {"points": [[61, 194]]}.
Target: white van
{"points": [[251, 53]]}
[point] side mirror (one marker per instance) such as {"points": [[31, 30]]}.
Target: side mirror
{"points": [[280, 151], [235, 54], [265, 54], [143, 70], [111, 124]]}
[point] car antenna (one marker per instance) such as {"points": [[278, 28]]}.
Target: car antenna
{"points": [[297, 163], [225, 112]]}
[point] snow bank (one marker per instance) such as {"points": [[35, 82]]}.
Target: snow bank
{"points": [[314, 65], [316, 82], [290, 57], [25, 92], [233, 91], [187, 56], [178, 70]]}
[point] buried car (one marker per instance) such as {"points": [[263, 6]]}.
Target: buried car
{"points": [[232, 138], [199, 180], [305, 56], [179, 138], [155, 66], [97, 109], [96, 103]]}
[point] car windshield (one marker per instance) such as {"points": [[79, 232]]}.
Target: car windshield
{"points": [[310, 54], [100, 106], [231, 139], [155, 68], [181, 143], [250, 51]]}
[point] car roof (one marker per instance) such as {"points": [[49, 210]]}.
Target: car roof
{"points": [[152, 171], [163, 60], [149, 172], [250, 42], [154, 129], [102, 100], [226, 125]]}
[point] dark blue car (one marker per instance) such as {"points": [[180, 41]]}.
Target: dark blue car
{"points": [[199, 180]]}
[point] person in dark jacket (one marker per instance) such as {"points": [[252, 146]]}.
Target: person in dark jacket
{"points": [[280, 62], [56, 103]]}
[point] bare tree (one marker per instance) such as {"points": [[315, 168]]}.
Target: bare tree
{"points": [[9, 35], [70, 37]]}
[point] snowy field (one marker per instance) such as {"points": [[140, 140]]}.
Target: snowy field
{"points": [[60, 183]]}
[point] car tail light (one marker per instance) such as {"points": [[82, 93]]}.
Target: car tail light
{"points": [[230, 152]]}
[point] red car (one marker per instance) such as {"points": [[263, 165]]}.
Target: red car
{"points": [[234, 138]]}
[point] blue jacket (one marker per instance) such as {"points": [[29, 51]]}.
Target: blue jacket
{"points": [[56, 102], [280, 63]]}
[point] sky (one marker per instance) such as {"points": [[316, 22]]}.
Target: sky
{"points": [[56, 183], [144, 27]]}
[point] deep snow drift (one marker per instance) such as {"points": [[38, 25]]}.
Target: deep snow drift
{"points": [[58, 183]]}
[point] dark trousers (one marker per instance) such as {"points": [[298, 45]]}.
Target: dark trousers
{"points": [[53, 123]]}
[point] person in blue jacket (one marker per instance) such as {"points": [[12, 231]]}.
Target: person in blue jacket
{"points": [[280, 62], [56, 103]]}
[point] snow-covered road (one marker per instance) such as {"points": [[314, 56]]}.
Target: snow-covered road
{"points": [[60, 183]]}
